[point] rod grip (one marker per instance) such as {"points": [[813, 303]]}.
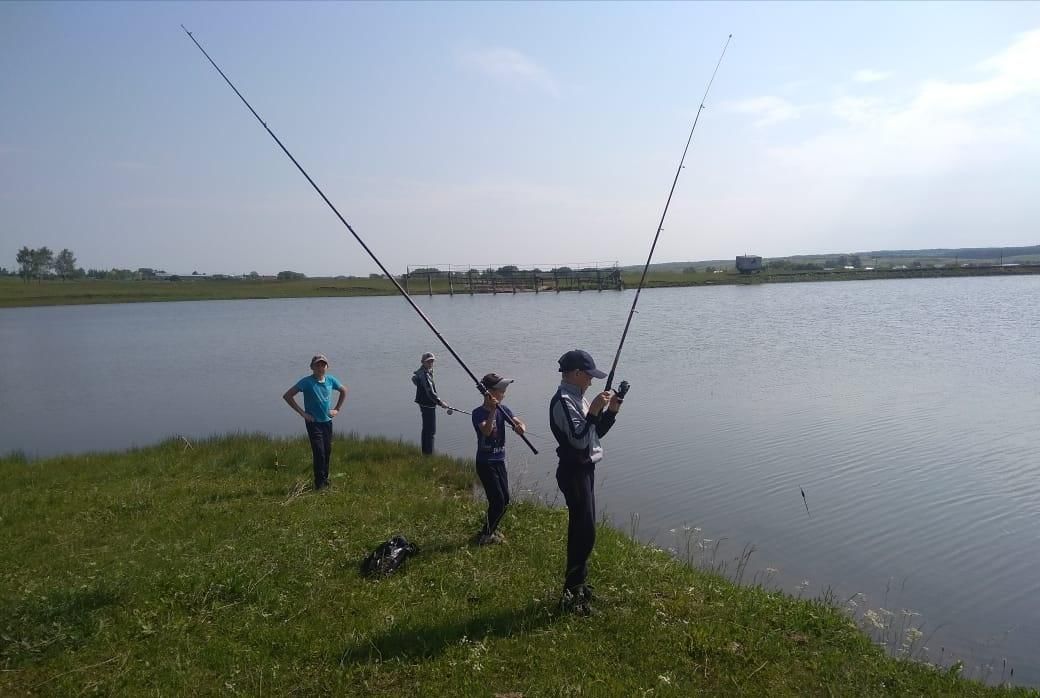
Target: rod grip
{"points": [[529, 444]]}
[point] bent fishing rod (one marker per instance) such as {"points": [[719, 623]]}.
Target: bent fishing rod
{"points": [[480, 387], [660, 226]]}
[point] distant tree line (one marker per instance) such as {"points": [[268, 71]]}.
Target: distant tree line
{"points": [[35, 264], [43, 263]]}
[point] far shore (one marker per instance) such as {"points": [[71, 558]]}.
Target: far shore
{"points": [[15, 292]]}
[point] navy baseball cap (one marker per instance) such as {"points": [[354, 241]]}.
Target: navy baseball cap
{"points": [[577, 359]]}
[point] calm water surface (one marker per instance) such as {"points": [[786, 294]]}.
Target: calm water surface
{"points": [[908, 411]]}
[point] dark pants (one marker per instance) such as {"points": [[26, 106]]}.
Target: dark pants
{"points": [[429, 427], [496, 486], [576, 483], [320, 435]]}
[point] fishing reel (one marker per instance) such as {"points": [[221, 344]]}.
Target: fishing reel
{"points": [[622, 390]]}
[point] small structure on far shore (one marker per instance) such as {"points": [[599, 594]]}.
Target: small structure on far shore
{"points": [[748, 264]]}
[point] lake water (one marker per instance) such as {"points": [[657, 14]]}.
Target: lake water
{"points": [[908, 411]]}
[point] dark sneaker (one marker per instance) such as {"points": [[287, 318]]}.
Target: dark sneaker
{"points": [[588, 593], [490, 539], [575, 602]]}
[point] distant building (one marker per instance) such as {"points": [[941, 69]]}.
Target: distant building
{"points": [[748, 264]]}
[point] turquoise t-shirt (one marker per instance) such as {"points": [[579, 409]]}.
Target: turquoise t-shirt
{"points": [[317, 396]]}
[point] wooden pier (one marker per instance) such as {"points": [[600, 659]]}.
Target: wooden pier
{"points": [[511, 279]]}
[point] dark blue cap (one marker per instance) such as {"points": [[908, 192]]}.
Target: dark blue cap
{"points": [[577, 359]]}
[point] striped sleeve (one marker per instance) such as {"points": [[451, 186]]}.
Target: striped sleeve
{"points": [[570, 421]]}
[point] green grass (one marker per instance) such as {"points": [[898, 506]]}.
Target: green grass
{"points": [[15, 292], [179, 571]]}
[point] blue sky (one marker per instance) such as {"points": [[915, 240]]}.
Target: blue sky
{"points": [[513, 133]]}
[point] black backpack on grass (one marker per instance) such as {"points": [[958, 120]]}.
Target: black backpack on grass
{"points": [[388, 557]]}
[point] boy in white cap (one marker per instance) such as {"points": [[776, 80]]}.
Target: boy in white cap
{"points": [[317, 397], [426, 398], [489, 421]]}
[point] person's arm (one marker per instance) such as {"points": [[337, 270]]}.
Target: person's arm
{"points": [[339, 403], [569, 419], [433, 392], [491, 405], [608, 416], [518, 425], [429, 394], [290, 398]]}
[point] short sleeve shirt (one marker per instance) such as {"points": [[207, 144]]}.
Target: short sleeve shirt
{"points": [[317, 396], [492, 448]]}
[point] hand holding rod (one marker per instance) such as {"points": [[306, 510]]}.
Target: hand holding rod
{"points": [[480, 387], [660, 226]]}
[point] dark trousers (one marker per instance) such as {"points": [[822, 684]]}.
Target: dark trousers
{"points": [[576, 483], [496, 486], [429, 427], [320, 435]]}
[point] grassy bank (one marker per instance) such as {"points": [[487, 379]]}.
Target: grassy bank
{"points": [[16, 293], [174, 570]]}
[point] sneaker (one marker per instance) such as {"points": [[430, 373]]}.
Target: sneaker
{"points": [[490, 539], [575, 602], [587, 593]]}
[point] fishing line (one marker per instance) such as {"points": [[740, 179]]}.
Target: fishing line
{"points": [[660, 226], [480, 387]]}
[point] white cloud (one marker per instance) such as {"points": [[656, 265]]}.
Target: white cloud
{"points": [[868, 75], [770, 110], [511, 66], [1015, 73], [943, 125]]}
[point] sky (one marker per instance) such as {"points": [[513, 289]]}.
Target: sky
{"points": [[475, 135]]}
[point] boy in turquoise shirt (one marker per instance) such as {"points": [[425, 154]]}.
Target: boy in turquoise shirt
{"points": [[317, 397]]}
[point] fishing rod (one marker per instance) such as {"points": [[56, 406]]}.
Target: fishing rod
{"points": [[527, 432], [451, 410], [660, 226], [480, 387]]}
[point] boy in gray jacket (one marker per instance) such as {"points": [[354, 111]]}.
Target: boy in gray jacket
{"points": [[578, 426], [426, 398]]}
